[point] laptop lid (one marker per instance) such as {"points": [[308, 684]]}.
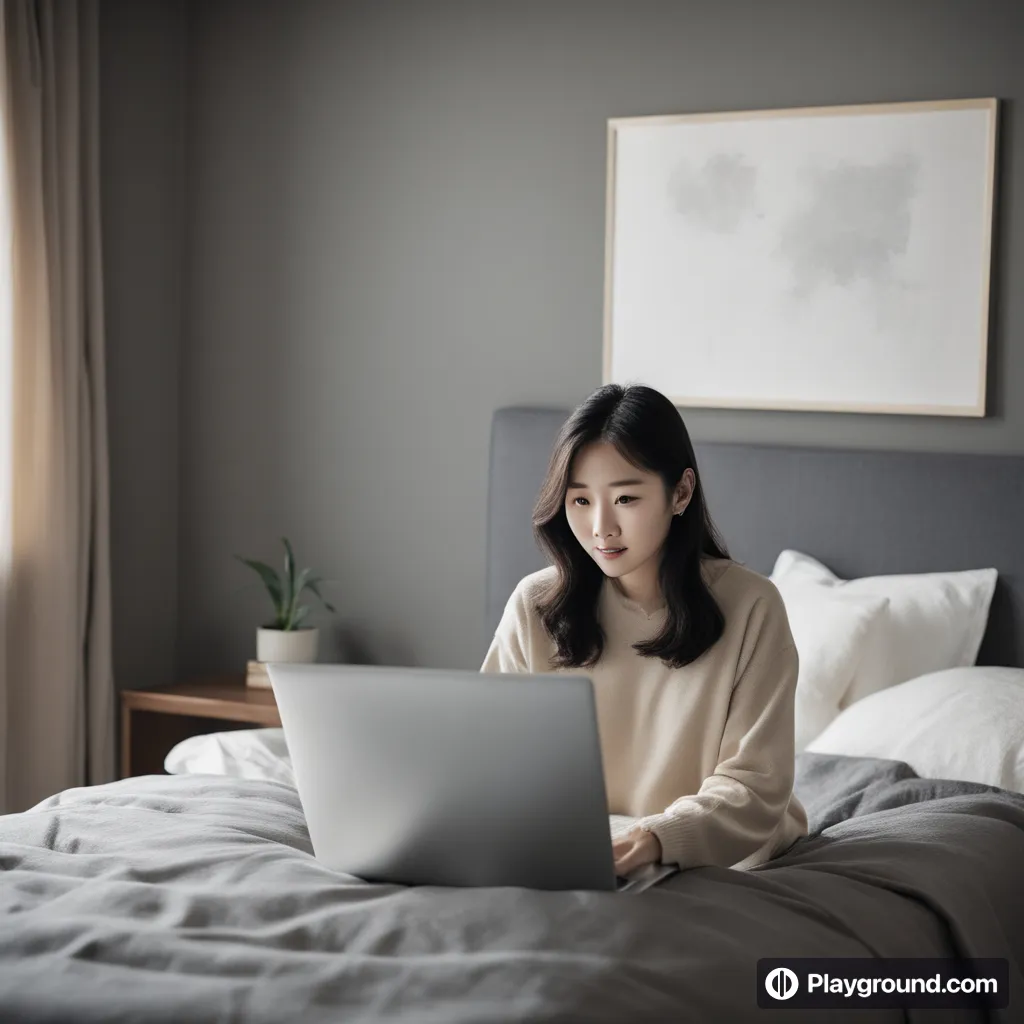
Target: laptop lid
{"points": [[447, 777]]}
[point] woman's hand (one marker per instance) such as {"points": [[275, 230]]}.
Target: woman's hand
{"points": [[635, 849]]}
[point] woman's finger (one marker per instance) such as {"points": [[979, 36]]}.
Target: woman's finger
{"points": [[626, 863], [640, 852]]}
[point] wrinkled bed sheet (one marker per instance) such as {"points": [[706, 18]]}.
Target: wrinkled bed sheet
{"points": [[197, 899]]}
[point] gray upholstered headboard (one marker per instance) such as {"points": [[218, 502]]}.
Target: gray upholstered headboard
{"points": [[862, 513]]}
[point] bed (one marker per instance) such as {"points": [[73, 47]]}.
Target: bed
{"points": [[195, 897]]}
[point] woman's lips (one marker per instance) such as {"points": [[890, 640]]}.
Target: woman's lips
{"points": [[611, 554]]}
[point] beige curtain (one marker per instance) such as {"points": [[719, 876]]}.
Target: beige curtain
{"points": [[56, 686]]}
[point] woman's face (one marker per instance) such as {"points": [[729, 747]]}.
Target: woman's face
{"points": [[611, 504]]}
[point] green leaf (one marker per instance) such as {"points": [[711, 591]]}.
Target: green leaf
{"points": [[300, 584], [300, 581], [270, 581], [312, 585], [289, 573], [286, 590]]}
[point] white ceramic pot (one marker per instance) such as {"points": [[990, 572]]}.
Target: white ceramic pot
{"points": [[289, 645]]}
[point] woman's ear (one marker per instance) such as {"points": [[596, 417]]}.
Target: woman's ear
{"points": [[684, 491]]}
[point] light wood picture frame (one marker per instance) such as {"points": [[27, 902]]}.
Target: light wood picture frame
{"points": [[815, 258]]}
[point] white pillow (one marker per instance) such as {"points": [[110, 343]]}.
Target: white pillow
{"points": [[241, 753], [962, 723], [830, 630], [935, 620]]}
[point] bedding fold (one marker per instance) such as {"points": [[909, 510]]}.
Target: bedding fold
{"points": [[197, 898]]}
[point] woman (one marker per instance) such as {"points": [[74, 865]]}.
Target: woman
{"points": [[690, 653]]}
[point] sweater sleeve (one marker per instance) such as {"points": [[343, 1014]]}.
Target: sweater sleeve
{"points": [[507, 652], [739, 808]]}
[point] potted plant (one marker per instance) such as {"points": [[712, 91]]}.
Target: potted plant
{"points": [[285, 639]]}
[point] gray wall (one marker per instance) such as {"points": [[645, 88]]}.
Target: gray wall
{"points": [[144, 73], [396, 225]]}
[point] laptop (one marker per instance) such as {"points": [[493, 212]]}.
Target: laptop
{"points": [[443, 777]]}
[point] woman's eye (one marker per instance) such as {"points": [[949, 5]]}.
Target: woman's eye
{"points": [[624, 498]]}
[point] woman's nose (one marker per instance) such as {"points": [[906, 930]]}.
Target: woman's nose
{"points": [[604, 524]]}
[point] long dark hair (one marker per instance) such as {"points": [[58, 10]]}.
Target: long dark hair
{"points": [[647, 430]]}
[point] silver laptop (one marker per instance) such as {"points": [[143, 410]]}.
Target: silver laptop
{"points": [[456, 778]]}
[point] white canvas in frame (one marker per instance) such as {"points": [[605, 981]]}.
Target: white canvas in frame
{"points": [[831, 258]]}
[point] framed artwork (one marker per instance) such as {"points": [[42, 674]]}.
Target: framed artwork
{"points": [[819, 258]]}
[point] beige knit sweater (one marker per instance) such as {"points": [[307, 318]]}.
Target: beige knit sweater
{"points": [[702, 756]]}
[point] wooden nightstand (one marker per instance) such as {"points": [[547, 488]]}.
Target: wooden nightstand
{"points": [[153, 721]]}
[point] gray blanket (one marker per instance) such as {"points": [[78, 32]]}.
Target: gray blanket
{"points": [[195, 899]]}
